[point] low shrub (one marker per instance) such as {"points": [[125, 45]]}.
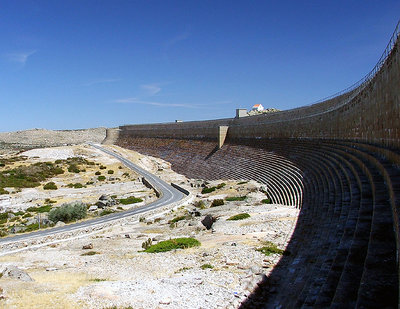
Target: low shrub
{"points": [[19, 213], [3, 215], [106, 212], [102, 167], [68, 212], [270, 248], [97, 173], [130, 200], [266, 201], [50, 186], [236, 198], [49, 201], [221, 185], [101, 178], [110, 172], [89, 253], [3, 233], [206, 266], [208, 190], [78, 185], [73, 168], [177, 219], [217, 202], [239, 217], [242, 182], [147, 244], [126, 174], [200, 204], [172, 244]]}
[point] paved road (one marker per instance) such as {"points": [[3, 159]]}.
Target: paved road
{"points": [[168, 195]]}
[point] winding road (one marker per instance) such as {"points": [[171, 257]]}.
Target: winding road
{"points": [[168, 195]]}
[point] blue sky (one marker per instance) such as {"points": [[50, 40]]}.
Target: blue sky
{"points": [[80, 64]]}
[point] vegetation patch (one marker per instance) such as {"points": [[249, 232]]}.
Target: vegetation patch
{"points": [[266, 201], [206, 266], [235, 198], [217, 202], [90, 253], [29, 176], [270, 248], [106, 212], [130, 200], [221, 185], [68, 212], [101, 178], [41, 209], [172, 244], [242, 182], [200, 204], [208, 190], [239, 217], [98, 280], [110, 172], [177, 219], [50, 186]]}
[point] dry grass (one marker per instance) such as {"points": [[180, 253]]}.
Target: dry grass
{"points": [[50, 290]]}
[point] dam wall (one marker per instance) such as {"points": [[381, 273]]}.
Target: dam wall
{"points": [[368, 113]]}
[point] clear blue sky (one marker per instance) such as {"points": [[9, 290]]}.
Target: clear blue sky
{"points": [[80, 64]]}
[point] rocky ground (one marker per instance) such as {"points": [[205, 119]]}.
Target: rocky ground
{"points": [[219, 273]]}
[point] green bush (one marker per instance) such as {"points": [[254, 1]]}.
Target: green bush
{"points": [[130, 200], [102, 167], [50, 186], [239, 217], [270, 248], [49, 201], [101, 178], [205, 266], [110, 172], [235, 198], [106, 212], [68, 212], [3, 233], [177, 243], [177, 219], [266, 201], [217, 202], [4, 215], [97, 173], [221, 185], [208, 190], [73, 168], [78, 185]]}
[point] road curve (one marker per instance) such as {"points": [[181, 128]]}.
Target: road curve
{"points": [[168, 195]]}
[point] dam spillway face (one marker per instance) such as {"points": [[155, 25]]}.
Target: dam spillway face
{"points": [[337, 160]]}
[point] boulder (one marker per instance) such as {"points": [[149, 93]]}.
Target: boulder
{"points": [[16, 273], [103, 198], [93, 208], [208, 221], [59, 223], [86, 247]]}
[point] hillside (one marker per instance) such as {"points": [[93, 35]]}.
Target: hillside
{"points": [[37, 138]]}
